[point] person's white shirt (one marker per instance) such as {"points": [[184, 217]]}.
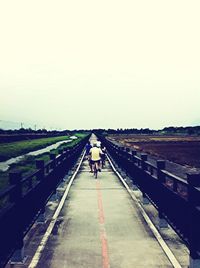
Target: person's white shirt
{"points": [[98, 143]]}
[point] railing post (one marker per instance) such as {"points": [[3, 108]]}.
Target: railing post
{"points": [[121, 157], [15, 180], [144, 159], [40, 165], [134, 153], [117, 157], [16, 196], [126, 158], [127, 150], [53, 158], [193, 180], [60, 151], [145, 200], [132, 157], [161, 164], [65, 151]]}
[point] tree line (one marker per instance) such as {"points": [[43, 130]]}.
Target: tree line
{"points": [[190, 130]]}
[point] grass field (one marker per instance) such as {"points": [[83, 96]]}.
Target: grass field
{"points": [[184, 150], [27, 165], [13, 149]]}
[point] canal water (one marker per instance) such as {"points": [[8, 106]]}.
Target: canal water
{"points": [[4, 165]]}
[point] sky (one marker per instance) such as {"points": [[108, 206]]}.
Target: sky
{"points": [[99, 64]]}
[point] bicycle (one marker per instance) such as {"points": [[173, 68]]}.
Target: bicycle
{"points": [[95, 170]]}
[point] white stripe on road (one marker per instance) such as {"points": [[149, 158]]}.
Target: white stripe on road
{"points": [[45, 238], [156, 233]]}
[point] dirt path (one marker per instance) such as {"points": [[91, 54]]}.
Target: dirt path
{"points": [[177, 169]]}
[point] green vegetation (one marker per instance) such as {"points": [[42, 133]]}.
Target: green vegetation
{"points": [[81, 135], [27, 165], [13, 149]]}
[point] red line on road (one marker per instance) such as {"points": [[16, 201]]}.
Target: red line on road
{"points": [[104, 243]]}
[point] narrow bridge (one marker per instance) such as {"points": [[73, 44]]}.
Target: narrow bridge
{"points": [[108, 222]]}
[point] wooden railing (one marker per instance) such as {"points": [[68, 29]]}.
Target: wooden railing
{"points": [[177, 199], [27, 196]]}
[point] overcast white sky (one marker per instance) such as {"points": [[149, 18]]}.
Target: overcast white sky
{"points": [[100, 64]]}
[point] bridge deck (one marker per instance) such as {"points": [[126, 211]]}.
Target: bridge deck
{"points": [[100, 226]]}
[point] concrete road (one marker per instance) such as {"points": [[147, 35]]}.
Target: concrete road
{"points": [[100, 226]]}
